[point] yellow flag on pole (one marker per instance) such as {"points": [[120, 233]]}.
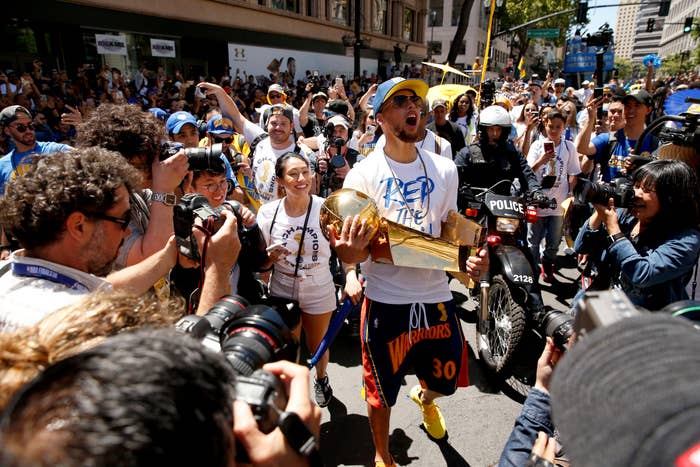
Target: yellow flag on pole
{"points": [[521, 67]]}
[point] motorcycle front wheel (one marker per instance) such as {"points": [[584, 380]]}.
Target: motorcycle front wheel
{"points": [[499, 340]]}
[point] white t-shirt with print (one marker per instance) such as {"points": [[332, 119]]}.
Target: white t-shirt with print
{"points": [[264, 160], [429, 200], [316, 251], [565, 163]]}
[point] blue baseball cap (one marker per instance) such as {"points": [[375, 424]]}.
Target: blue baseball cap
{"points": [[392, 86], [220, 125], [177, 120], [159, 113]]}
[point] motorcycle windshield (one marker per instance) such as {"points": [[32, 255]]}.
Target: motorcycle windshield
{"points": [[504, 206]]}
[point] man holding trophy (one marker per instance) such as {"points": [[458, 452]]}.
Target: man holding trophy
{"points": [[408, 317]]}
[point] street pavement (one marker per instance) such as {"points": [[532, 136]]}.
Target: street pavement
{"points": [[479, 417]]}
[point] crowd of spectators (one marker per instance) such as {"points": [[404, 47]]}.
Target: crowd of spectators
{"points": [[92, 215]]}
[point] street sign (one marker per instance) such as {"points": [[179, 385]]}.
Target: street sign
{"points": [[542, 33]]}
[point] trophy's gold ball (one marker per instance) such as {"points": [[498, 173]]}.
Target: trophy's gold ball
{"points": [[348, 202]]}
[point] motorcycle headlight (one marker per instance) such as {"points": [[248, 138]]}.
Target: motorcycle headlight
{"points": [[507, 224]]}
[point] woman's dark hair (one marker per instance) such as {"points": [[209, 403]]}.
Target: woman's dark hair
{"points": [[555, 113], [454, 112], [676, 187], [521, 118], [282, 161]]}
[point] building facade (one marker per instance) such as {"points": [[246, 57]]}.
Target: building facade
{"points": [[443, 17], [202, 37], [626, 28], [673, 40], [647, 42]]}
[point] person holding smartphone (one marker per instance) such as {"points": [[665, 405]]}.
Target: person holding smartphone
{"points": [[555, 163]]}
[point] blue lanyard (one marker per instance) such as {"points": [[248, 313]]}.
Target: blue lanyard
{"points": [[46, 273]]}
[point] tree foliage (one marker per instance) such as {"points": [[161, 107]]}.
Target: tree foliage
{"points": [[516, 12], [460, 31], [624, 67]]}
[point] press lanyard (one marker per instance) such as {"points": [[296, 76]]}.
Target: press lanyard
{"points": [[42, 272]]}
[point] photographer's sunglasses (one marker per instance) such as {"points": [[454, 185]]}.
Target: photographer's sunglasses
{"points": [[22, 127], [122, 221], [226, 140]]}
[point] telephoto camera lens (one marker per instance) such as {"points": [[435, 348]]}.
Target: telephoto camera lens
{"points": [[206, 158], [558, 326], [256, 336]]}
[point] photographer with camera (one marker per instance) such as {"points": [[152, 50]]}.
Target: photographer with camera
{"points": [[335, 159], [70, 215], [650, 243], [137, 136], [126, 405], [213, 185]]}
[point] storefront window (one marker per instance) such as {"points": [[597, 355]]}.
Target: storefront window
{"points": [[338, 11], [408, 17], [379, 19]]}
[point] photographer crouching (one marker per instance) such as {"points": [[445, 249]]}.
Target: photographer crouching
{"points": [[650, 243], [335, 158]]}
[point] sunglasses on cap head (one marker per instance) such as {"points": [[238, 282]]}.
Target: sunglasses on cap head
{"points": [[21, 127], [403, 100]]}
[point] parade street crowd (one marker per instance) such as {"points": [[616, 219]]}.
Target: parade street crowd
{"points": [[133, 205]]}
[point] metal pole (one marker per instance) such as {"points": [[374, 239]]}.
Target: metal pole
{"points": [[487, 52]]}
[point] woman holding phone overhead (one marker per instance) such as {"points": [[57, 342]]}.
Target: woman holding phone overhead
{"points": [[300, 255]]}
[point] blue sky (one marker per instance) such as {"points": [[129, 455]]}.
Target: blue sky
{"points": [[598, 16]]}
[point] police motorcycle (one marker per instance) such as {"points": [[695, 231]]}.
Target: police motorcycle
{"points": [[510, 308]]}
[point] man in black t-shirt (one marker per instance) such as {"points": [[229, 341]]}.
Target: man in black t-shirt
{"points": [[445, 128]]}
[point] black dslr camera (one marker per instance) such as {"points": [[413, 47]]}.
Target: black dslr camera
{"points": [[198, 158], [620, 189], [248, 337], [192, 206], [488, 93]]}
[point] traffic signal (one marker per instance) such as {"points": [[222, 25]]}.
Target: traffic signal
{"points": [[582, 12], [664, 6], [688, 25], [650, 24]]}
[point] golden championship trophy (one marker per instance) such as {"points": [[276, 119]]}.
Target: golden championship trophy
{"points": [[396, 244]]}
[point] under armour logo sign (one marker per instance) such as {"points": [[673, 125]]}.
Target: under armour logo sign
{"points": [[239, 53]]}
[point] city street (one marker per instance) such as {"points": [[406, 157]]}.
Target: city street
{"points": [[479, 418]]}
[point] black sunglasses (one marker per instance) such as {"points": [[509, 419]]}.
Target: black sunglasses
{"points": [[226, 140], [22, 127], [403, 100], [122, 221], [274, 96]]}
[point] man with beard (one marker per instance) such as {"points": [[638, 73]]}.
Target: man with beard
{"points": [[17, 123], [265, 146], [408, 317], [70, 213]]}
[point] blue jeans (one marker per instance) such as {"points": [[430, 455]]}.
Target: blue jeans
{"points": [[549, 228], [534, 417]]}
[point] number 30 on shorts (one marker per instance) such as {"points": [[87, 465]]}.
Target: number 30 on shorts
{"points": [[447, 371]]}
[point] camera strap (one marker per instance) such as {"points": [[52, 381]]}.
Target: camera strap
{"points": [[303, 232]]}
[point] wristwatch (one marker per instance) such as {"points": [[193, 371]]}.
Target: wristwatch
{"points": [[615, 237], [169, 199]]}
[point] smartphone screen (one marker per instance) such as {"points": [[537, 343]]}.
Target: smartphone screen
{"points": [[370, 130], [548, 146]]}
